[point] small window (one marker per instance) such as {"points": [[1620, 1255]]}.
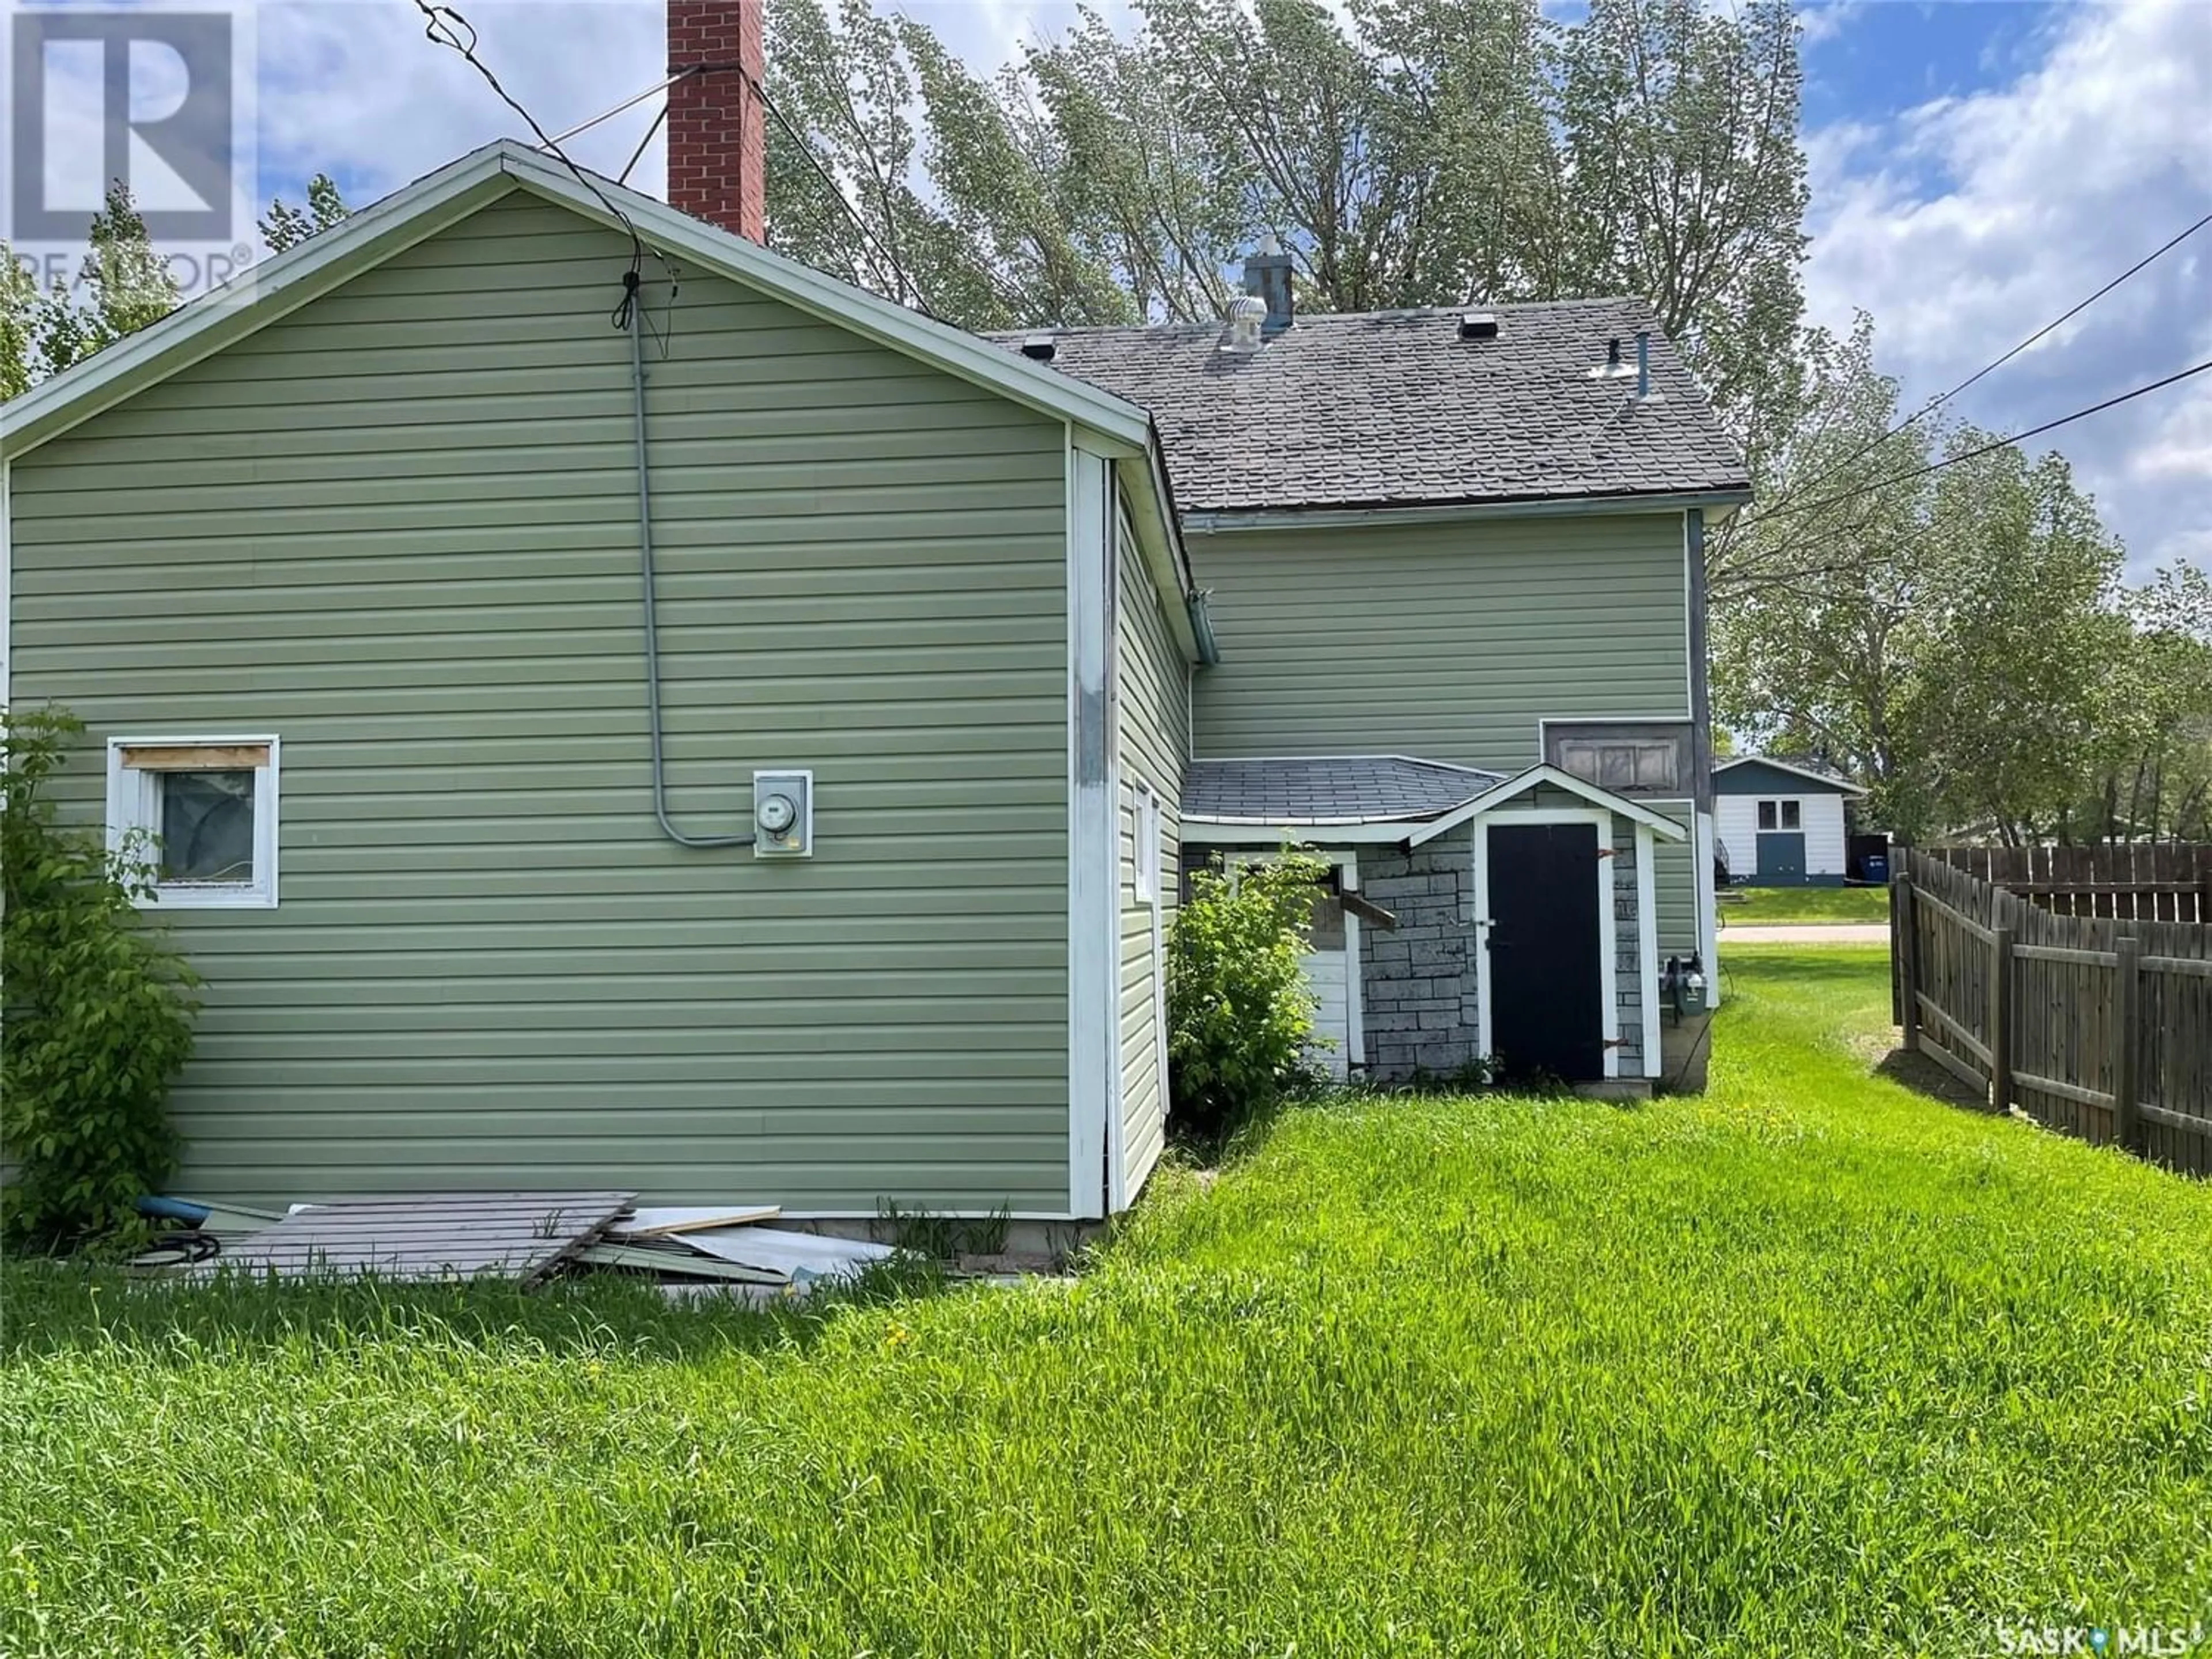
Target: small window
{"points": [[1793, 815], [203, 811], [1148, 829], [1766, 810]]}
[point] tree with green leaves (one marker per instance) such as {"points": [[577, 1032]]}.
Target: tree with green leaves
{"points": [[125, 285], [1948, 637], [1415, 152], [287, 226]]}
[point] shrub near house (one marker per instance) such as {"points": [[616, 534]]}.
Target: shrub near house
{"points": [[98, 1010], [1240, 1013]]}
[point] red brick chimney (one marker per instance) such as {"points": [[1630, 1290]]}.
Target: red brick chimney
{"points": [[717, 144]]}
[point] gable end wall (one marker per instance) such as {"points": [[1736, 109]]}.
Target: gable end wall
{"points": [[398, 529]]}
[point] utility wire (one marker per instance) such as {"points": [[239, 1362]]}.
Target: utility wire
{"points": [[1944, 398], [1993, 446], [444, 26]]}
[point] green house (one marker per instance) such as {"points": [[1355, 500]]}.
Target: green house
{"points": [[753, 752]]}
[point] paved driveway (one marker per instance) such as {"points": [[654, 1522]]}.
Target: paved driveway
{"points": [[1825, 933]]}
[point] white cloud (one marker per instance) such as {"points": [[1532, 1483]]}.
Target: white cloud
{"points": [[1969, 222]]}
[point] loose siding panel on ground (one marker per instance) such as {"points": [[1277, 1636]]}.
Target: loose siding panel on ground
{"points": [[1154, 734], [1448, 641], [398, 529]]}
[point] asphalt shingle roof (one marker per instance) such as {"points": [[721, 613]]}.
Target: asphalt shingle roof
{"points": [[1328, 789], [1394, 409]]}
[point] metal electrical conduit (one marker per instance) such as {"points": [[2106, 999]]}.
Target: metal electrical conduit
{"points": [[635, 329]]}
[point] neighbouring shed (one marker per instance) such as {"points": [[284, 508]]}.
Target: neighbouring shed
{"points": [[1780, 823]]}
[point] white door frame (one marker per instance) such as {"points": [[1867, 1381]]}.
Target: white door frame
{"points": [[1609, 989]]}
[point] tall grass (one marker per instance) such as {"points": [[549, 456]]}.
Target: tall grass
{"points": [[1810, 1366]]}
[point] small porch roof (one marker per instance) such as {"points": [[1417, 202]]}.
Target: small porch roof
{"points": [[1327, 791], [1337, 799]]}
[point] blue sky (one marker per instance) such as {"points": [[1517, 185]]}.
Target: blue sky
{"points": [[1977, 168]]}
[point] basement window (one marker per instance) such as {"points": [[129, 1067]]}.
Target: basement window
{"points": [[202, 812]]}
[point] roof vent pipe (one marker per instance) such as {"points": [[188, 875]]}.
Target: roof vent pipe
{"points": [[1612, 369], [1643, 363]]}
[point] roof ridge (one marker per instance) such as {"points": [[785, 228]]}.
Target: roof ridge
{"points": [[1590, 302]]}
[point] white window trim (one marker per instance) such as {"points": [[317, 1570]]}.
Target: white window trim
{"points": [[1146, 829], [131, 806]]}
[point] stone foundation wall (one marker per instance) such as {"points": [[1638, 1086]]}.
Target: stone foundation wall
{"points": [[1417, 981]]}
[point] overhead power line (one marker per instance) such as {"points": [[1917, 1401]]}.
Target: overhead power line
{"points": [[1980, 450], [1991, 367], [444, 26]]}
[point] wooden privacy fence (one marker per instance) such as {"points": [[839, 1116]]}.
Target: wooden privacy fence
{"points": [[2139, 883], [2097, 1025]]}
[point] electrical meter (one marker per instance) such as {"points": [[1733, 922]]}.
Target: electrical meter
{"points": [[783, 815]]}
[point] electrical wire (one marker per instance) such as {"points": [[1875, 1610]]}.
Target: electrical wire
{"points": [[444, 26], [1944, 398], [1981, 450]]}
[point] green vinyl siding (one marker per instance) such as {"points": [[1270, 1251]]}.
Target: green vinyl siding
{"points": [[1447, 642], [397, 528], [1674, 885], [1153, 732]]}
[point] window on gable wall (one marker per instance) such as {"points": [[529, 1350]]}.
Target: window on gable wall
{"points": [[204, 812], [1767, 811]]}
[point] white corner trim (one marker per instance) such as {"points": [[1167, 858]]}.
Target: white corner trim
{"points": [[1520, 783], [1355, 1001], [1708, 909], [131, 805], [1094, 1176], [7, 584], [1647, 943], [1608, 932]]}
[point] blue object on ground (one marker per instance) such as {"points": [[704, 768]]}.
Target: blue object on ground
{"points": [[173, 1209]]}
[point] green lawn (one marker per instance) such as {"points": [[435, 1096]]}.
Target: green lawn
{"points": [[1777, 906], [1812, 1366]]}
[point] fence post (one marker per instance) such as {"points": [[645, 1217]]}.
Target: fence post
{"points": [[1908, 964], [2127, 1124], [2001, 1021]]}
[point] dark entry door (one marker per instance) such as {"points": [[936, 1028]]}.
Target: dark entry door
{"points": [[1782, 855], [1547, 994]]}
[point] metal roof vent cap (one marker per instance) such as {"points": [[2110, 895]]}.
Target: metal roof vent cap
{"points": [[1247, 313], [1039, 348], [1478, 325], [1613, 368]]}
